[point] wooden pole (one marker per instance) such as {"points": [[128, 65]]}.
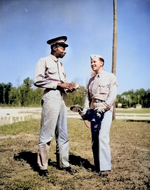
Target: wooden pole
{"points": [[114, 52]]}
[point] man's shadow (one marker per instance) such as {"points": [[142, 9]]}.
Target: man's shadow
{"points": [[31, 159], [79, 161]]}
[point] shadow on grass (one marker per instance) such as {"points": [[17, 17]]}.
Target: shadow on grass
{"points": [[31, 159], [75, 160], [79, 161]]}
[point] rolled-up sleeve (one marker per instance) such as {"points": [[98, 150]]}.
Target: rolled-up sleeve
{"points": [[112, 91], [40, 79]]}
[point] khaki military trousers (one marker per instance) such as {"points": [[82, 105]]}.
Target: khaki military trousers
{"points": [[102, 149], [53, 123]]}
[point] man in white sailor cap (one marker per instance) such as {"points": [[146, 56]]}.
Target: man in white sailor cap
{"points": [[50, 74], [102, 91]]}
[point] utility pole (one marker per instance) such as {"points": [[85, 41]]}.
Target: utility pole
{"points": [[114, 51]]}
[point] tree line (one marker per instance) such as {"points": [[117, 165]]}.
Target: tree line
{"points": [[131, 98], [27, 95]]}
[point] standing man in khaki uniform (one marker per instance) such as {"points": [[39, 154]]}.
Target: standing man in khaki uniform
{"points": [[50, 74], [102, 92]]}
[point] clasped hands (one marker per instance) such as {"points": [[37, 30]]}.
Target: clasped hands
{"points": [[69, 87]]}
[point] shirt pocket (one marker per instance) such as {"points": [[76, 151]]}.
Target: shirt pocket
{"points": [[103, 88], [51, 71]]}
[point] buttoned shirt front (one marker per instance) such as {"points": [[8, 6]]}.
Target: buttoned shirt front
{"points": [[49, 72], [102, 86]]}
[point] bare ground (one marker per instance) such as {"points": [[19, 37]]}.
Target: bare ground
{"points": [[130, 150]]}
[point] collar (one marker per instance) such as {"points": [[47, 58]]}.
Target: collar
{"points": [[53, 58], [99, 74]]}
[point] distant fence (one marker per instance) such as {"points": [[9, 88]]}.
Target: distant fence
{"points": [[13, 118], [120, 116], [9, 119], [133, 116]]}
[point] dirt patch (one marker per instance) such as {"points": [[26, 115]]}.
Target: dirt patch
{"points": [[130, 150]]}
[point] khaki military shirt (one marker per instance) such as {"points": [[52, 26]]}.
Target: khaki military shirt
{"points": [[49, 72], [102, 86]]}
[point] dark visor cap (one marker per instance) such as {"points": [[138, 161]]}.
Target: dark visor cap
{"points": [[59, 40]]}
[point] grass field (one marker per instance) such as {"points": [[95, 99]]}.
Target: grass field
{"points": [[130, 150]]}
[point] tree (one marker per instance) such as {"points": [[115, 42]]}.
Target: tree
{"points": [[77, 97], [146, 99], [114, 53], [141, 96], [14, 96], [25, 91], [37, 96], [7, 92], [4, 92]]}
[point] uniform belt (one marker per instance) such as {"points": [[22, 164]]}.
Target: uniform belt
{"points": [[97, 100], [52, 89]]}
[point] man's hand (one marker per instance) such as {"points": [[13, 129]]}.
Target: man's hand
{"points": [[83, 112], [102, 108], [65, 86]]}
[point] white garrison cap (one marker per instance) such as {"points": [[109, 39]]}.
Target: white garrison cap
{"points": [[59, 40], [96, 56]]}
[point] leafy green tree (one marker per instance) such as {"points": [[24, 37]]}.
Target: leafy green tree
{"points": [[25, 90], [77, 97], [146, 99], [14, 97], [141, 96], [37, 96], [4, 92], [7, 92]]}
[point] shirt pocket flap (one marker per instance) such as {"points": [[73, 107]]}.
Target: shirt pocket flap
{"points": [[51, 71], [104, 87]]}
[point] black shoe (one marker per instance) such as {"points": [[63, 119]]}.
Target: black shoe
{"points": [[96, 171], [68, 169], [43, 172]]}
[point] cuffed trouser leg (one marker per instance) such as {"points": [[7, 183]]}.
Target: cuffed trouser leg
{"points": [[43, 154], [62, 144], [104, 148]]}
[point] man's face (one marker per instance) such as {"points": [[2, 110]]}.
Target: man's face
{"points": [[96, 64], [60, 51]]}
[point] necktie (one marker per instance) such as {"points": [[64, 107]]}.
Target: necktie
{"points": [[60, 73], [95, 85]]}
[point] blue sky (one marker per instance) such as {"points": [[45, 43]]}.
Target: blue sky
{"points": [[26, 25]]}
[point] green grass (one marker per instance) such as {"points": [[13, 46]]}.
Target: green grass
{"points": [[29, 126]]}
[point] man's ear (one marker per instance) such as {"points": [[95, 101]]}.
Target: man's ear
{"points": [[102, 63], [54, 48]]}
